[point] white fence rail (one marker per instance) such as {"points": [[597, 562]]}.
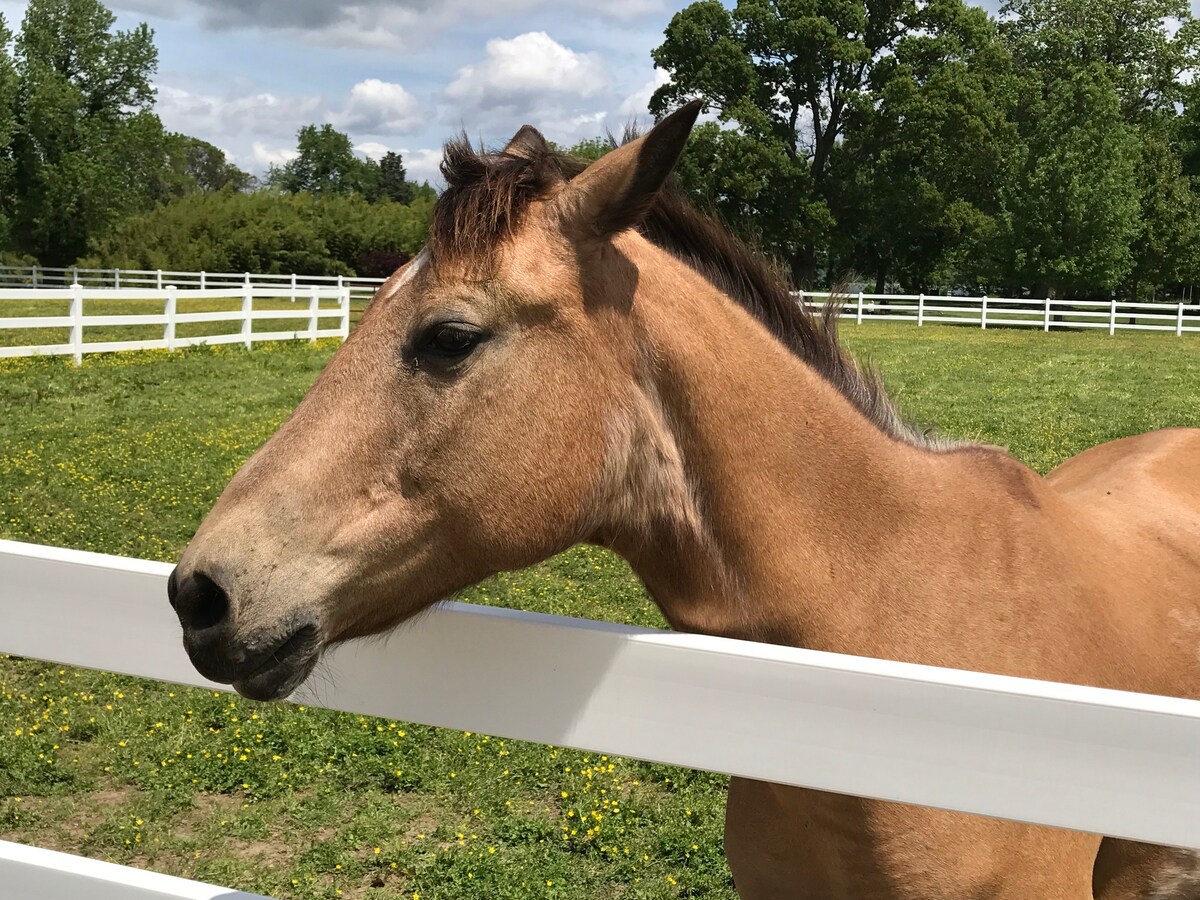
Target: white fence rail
{"points": [[30, 873], [1095, 760], [996, 312], [49, 276], [76, 322]]}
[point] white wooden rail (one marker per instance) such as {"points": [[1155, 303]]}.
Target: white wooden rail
{"points": [[76, 322], [1084, 758], [51, 276], [31, 873], [990, 312]]}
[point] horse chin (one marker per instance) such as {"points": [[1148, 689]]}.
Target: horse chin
{"points": [[283, 672]]}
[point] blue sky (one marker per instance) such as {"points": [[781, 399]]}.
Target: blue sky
{"points": [[396, 74]]}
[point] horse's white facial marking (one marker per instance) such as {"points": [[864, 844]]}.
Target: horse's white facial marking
{"points": [[414, 267]]}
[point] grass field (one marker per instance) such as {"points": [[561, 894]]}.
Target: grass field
{"points": [[124, 454]]}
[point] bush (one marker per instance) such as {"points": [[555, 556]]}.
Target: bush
{"points": [[266, 231]]}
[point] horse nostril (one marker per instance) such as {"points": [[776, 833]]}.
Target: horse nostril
{"points": [[198, 600]]}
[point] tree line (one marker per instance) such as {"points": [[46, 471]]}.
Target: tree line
{"points": [[925, 145], [911, 144], [89, 175]]}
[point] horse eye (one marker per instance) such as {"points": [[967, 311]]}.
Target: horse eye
{"points": [[451, 340]]}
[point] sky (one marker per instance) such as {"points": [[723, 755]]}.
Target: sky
{"points": [[398, 75]]}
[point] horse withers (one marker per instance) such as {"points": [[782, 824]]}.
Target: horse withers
{"points": [[578, 355]]}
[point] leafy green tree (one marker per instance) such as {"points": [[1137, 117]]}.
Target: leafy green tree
{"points": [[921, 176], [204, 167], [8, 127], [1077, 192], [325, 164], [393, 179], [1166, 246], [782, 76], [87, 149], [591, 149], [1142, 49], [1146, 47]]}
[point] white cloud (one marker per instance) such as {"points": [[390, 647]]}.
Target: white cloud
{"points": [[638, 103], [372, 150], [266, 156], [530, 65], [375, 24], [422, 165], [378, 107], [258, 128], [261, 113]]}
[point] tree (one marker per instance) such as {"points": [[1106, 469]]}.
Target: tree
{"points": [[204, 167], [591, 149], [1166, 246], [782, 75], [921, 177], [1145, 47], [1077, 191], [8, 127], [1140, 49], [393, 179], [325, 164], [87, 149]]}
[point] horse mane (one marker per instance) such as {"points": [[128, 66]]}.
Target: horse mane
{"points": [[487, 193]]}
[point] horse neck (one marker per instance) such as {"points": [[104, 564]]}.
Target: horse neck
{"points": [[757, 501]]}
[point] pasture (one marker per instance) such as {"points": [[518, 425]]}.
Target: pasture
{"points": [[124, 454]]}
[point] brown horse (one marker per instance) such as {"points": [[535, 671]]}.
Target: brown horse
{"points": [[581, 356]]}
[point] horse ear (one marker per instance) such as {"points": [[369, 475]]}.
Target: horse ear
{"points": [[617, 190], [527, 143]]}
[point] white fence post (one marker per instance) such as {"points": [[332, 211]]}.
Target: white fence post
{"points": [[293, 287], [921, 310], [247, 279], [77, 323], [800, 298], [169, 310], [34, 275], [1112, 317], [247, 318], [74, 275], [314, 306], [1046, 322], [1179, 320], [983, 313], [158, 279], [344, 303], [203, 279], [858, 321], [116, 278]]}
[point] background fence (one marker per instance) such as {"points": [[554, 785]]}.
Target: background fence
{"points": [[1007, 312], [77, 320], [141, 310], [1094, 760], [48, 277]]}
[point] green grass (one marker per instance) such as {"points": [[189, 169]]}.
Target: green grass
{"points": [[124, 455]]}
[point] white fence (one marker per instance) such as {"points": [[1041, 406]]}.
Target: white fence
{"points": [[77, 323], [996, 312], [48, 276], [1095, 760]]}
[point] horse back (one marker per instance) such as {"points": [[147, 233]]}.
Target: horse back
{"points": [[1137, 501]]}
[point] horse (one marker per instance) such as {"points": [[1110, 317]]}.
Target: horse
{"points": [[579, 355]]}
